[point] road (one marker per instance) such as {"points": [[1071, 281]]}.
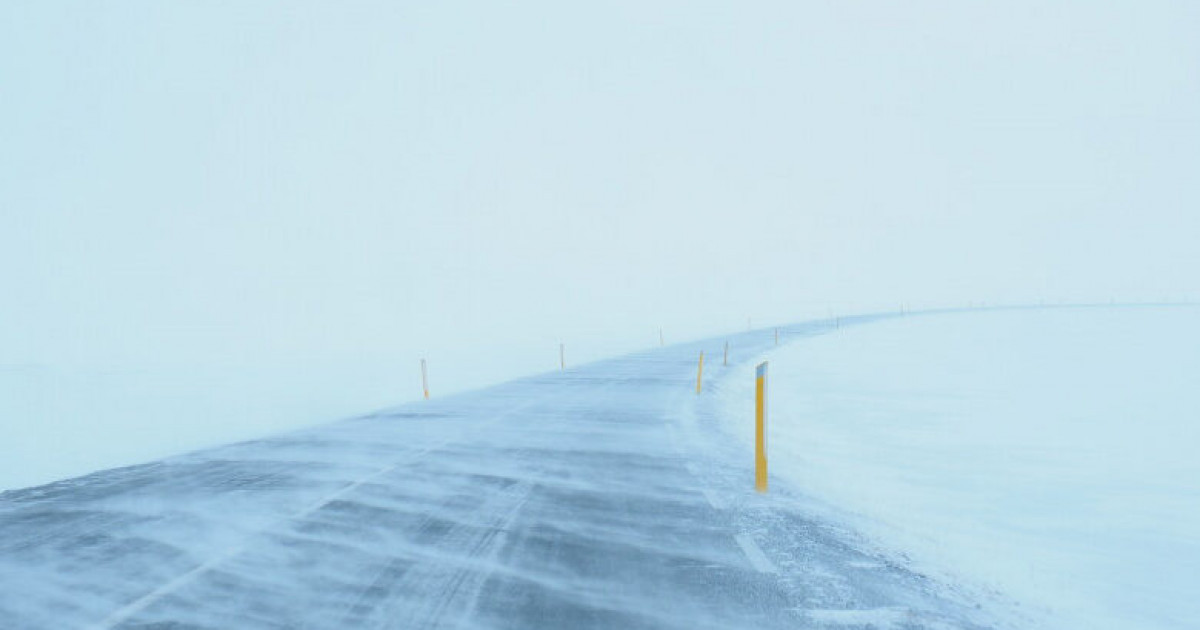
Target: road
{"points": [[602, 496]]}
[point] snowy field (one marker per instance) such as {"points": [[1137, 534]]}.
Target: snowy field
{"points": [[61, 421], [1049, 455]]}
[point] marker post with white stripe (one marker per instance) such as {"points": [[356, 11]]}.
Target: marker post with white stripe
{"points": [[760, 427], [424, 380]]}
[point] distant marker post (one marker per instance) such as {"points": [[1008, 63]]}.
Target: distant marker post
{"points": [[725, 361], [424, 380], [700, 372], [562, 357], [760, 427]]}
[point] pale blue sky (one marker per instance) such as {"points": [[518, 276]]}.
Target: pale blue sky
{"points": [[327, 184]]}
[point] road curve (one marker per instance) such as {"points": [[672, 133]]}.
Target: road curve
{"points": [[602, 496]]}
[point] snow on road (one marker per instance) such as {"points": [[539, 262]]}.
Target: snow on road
{"points": [[603, 496], [1046, 453]]}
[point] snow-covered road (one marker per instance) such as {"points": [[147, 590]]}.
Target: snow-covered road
{"points": [[601, 496]]}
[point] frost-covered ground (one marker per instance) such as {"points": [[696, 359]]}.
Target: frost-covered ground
{"points": [[61, 421], [1050, 455]]}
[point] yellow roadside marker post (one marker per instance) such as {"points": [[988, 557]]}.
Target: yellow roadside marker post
{"points": [[760, 428], [424, 380], [725, 361], [700, 372]]}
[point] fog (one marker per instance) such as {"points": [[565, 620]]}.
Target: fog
{"points": [[304, 199]]}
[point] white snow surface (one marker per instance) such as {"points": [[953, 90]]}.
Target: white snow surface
{"points": [[1047, 454], [60, 421]]}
